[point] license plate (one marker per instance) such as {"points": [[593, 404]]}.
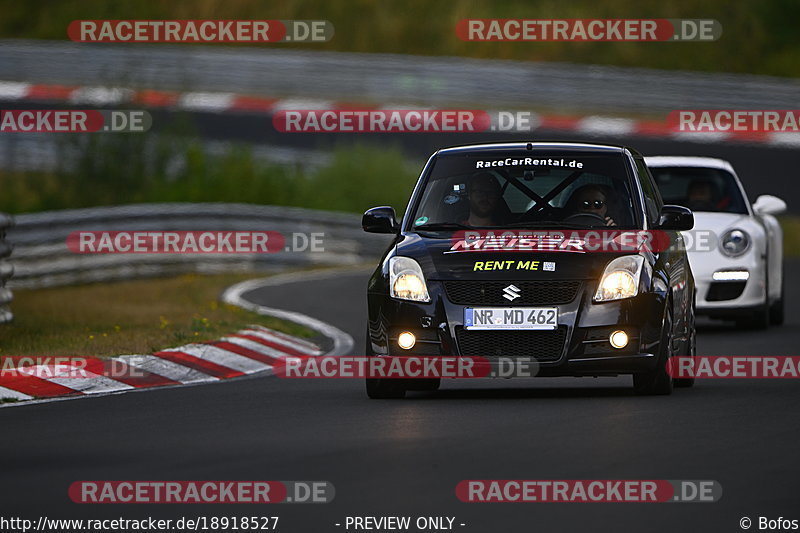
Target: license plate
{"points": [[511, 318]]}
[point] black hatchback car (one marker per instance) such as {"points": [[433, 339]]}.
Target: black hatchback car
{"points": [[445, 287]]}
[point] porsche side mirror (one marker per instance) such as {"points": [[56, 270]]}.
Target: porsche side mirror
{"points": [[766, 204], [380, 220]]}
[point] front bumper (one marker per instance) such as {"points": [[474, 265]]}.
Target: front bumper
{"points": [[578, 347], [728, 298]]}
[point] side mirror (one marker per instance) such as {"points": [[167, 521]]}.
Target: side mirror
{"points": [[380, 220], [767, 204], [676, 218]]}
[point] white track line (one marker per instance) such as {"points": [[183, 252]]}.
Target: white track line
{"points": [[199, 101], [165, 368], [308, 348], [8, 393], [255, 346], [222, 357], [12, 90], [342, 342], [100, 95], [91, 384]]}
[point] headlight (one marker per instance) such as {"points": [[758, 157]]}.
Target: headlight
{"points": [[406, 281], [620, 279], [734, 242]]}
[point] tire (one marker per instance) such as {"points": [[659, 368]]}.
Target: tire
{"points": [[776, 311], [382, 389], [760, 317], [385, 389], [426, 384], [658, 381]]}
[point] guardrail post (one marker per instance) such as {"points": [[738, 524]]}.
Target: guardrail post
{"points": [[6, 269]]}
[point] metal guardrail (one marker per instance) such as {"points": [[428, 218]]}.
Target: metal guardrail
{"points": [[44, 152], [387, 78], [42, 259], [6, 269]]}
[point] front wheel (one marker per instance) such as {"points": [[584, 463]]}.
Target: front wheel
{"points": [[658, 381], [776, 309], [381, 388], [691, 351], [385, 389]]}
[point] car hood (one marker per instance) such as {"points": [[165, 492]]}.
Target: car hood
{"points": [[440, 262], [710, 227], [719, 222]]}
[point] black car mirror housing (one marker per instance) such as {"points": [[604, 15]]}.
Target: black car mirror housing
{"points": [[380, 220], [675, 218]]}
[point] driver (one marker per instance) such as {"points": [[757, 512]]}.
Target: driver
{"points": [[484, 193], [590, 199], [700, 196]]}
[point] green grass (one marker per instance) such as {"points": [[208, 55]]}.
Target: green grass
{"points": [[791, 235], [758, 36], [130, 317], [113, 170]]}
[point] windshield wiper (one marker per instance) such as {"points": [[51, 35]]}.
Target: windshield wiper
{"points": [[441, 226], [549, 224]]}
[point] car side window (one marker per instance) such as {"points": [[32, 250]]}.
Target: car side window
{"points": [[652, 198]]}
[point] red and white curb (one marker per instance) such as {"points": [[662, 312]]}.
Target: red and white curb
{"points": [[255, 349], [247, 351], [226, 102]]}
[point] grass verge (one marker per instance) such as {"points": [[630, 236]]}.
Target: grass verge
{"points": [[130, 317]]}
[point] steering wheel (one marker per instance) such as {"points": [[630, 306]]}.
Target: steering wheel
{"points": [[589, 219]]}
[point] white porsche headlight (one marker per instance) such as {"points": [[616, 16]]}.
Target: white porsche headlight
{"points": [[406, 281], [734, 242], [620, 279]]}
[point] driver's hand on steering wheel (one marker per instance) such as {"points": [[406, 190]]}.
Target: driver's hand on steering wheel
{"points": [[610, 222]]}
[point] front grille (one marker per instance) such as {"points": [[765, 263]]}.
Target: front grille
{"points": [[541, 345], [725, 290], [491, 292]]}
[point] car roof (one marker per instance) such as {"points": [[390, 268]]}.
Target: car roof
{"points": [[688, 161], [536, 146]]}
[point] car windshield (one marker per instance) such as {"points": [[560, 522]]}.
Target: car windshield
{"points": [[526, 189], [700, 189]]}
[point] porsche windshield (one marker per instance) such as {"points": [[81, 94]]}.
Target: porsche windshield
{"points": [[524, 189], [700, 189]]}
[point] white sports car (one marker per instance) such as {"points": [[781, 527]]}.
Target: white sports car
{"points": [[735, 249]]}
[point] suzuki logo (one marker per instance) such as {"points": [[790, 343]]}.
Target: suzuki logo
{"points": [[511, 293]]}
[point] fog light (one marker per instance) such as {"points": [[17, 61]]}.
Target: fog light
{"points": [[618, 339], [730, 275], [406, 340]]}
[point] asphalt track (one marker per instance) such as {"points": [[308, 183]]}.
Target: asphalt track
{"points": [[406, 457]]}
